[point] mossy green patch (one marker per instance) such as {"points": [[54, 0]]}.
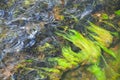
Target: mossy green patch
{"points": [[117, 12]]}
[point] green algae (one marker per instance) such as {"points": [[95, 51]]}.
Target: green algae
{"points": [[103, 38], [117, 12], [98, 72], [89, 54], [90, 50], [105, 16]]}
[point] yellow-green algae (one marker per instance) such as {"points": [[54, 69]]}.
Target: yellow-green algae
{"points": [[98, 72], [90, 50], [90, 53], [103, 38]]}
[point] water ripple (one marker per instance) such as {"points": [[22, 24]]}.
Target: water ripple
{"points": [[19, 24]]}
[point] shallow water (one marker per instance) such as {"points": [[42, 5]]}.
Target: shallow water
{"points": [[24, 22], [20, 24]]}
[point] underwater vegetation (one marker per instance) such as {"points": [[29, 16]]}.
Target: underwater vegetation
{"points": [[92, 52]]}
